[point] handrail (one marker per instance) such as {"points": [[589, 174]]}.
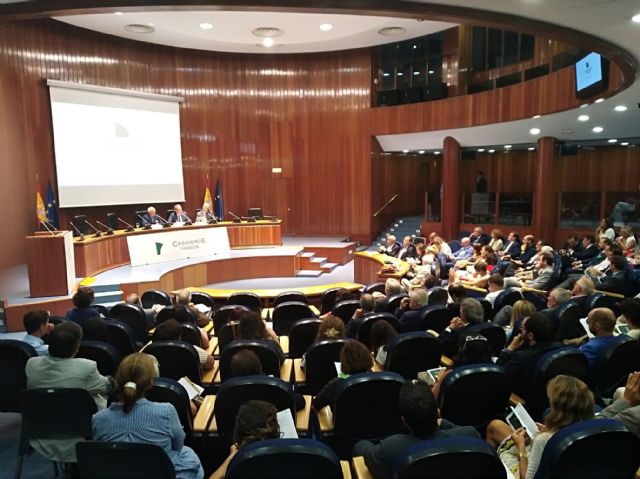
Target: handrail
{"points": [[386, 204]]}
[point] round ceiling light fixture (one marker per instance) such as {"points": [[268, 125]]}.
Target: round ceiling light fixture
{"points": [[391, 31], [326, 27], [267, 32], [140, 28]]}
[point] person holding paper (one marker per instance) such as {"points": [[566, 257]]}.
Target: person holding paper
{"points": [[136, 419], [570, 401]]}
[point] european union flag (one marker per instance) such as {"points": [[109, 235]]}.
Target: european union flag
{"points": [[219, 205], [51, 207]]}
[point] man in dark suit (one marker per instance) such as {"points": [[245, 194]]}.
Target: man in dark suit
{"points": [[151, 218], [178, 216], [391, 287], [408, 249], [391, 248], [615, 280], [471, 313], [558, 297], [519, 359], [513, 247], [587, 252], [411, 312], [479, 237], [419, 413]]}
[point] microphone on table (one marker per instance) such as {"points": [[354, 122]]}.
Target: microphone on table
{"points": [[109, 230], [236, 218], [98, 232], [77, 231], [147, 226], [165, 224], [46, 226], [129, 227], [188, 222]]}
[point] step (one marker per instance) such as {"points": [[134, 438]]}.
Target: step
{"points": [[103, 288], [318, 260], [307, 254], [309, 273], [329, 267], [107, 297]]}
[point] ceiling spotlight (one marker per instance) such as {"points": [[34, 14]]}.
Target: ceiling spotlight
{"points": [[480, 150], [325, 27], [140, 28], [206, 26], [417, 72], [268, 42], [597, 129], [390, 31], [636, 18], [535, 117], [431, 72], [400, 74], [508, 147], [531, 148], [405, 151], [117, 13], [599, 100], [422, 152], [624, 143], [386, 74], [492, 150], [620, 108], [584, 105], [534, 131], [436, 152], [415, 46], [583, 118], [612, 140]]}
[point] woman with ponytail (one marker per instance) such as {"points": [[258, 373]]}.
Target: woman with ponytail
{"points": [[135, 419]]}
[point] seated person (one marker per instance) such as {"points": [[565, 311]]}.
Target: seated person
{"points": [[178, 216], [581, 292], [543, 274], [205, 214], [479, 237], [475, 256], [82, 300], [381, 333], [37, 325], [331, 328], [182, 314], [419, 413], [354, 359], [150, 313], [61, 369], [558, 297], [367, 306], [630, 309], [136, 419], [627, 408], [496, 242], [601, 322], [495, 285], [615, 281], [95, 330], [627, 241], [391, 247], [171, 330], [391, 287], [412, 309], [527, 251], [256, 421], [408, 249], [488, 256], [515, 314], [183, 298], [479, 278], [441, 245], [151, 218], [512, 249], [471, 313], [250, 326], [465, 252], [570, 401]]}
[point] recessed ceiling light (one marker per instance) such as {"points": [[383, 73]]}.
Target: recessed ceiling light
{"points": [[400, 74], [531, 148], [492, 150], [417, 72], [507, 147], [620, 108], [480, 150], [436, 152], [599, 100], [584, 105], [431, 72], [389, 31], [536, 117], [140, 28], [583, 118], [597, 129], [415, 46], [624, 143], [612, 140], [325, 27], [386, 74], [405, 151], [567, 131], [422, 152], [206, 26], [117, 13], [268, 42], [636, 18], [534, 131]]}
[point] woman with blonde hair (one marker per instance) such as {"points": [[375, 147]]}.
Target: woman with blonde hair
{"points": [[520, 310], [496, 243], [570, 401], [136, 419]]}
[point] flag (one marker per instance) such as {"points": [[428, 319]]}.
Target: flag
{"points": [[207, 197], [51, 209], [219, 206], [41, 214]]}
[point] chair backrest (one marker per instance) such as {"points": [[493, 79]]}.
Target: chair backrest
{"points": [[112, 221], [496, 336], [302, 335], [487, 307], [374, 418], [265, 350], [221, 316], [171, 391], [410, 353], [121, 337], [14, 355], [455, 245], [101, 308], [287, 296], [363, 334], [200, 297], [191, 334], [176, 359], [106, 460], [568, 323], [507, 297], [250, 300], [169, 311], [437, 319], [234, 392], [320, 361], [578, 451], [537, 299], [345, 309], [463, 457], [106, 356], [601, 300], [287, 313], [487, 384], [285, 459], [155, 296], [80, 222], [621, 358], [329, 299], [227, 334], [56, 413], [393, 301], [135, 317], [563, 360], [373, 287], [137, 217]]}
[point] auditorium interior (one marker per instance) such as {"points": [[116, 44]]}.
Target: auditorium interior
{"points": [[407, 177]]}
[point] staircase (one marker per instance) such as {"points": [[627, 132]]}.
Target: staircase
{"points": [[401, 227], [107, 294], [312, 266]]}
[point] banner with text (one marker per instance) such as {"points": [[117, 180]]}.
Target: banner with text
{"points": [[180, 243]]}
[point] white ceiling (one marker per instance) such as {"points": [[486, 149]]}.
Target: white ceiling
{"points": [[606, 19], [231, 31]]}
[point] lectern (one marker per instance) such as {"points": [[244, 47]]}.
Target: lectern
{"points": [[51, 263]]}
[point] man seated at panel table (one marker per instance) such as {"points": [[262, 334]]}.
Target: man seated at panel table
{"points": [[151, 218], [205, 214], [391, 247], [178, 216]]}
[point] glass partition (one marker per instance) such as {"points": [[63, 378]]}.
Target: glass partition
{"points": [[479, 208], [623, 208], [579, 210], [515, 208], [434, 203]]}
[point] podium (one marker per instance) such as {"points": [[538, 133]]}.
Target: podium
{"points": [[51, 263]]}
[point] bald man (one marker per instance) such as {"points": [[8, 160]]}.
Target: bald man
{"points": [[391, 247]]}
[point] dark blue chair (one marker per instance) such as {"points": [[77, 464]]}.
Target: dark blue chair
{"points": [[285, 459], [200, 297], [454, 457], [302, 335], [507, 297], [393, 301], [106, 356], [171, 391], [410, 353], [288, 296], [286, 314], [329, 300], [614, 365], [121, 337], [135, 317], [320, 367], [373, 287], [363, 334], [455, 245], [589, 450], [106, 460], [14, 355], [437, 319], [537, 299], [249, 300], [176, 359], [266, 350], [568, 323], [496, 335], [153, 297], [223, 314], [345, 309]]}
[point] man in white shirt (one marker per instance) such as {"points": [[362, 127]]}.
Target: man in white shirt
{"points": [[37, 326], [495, 287]]}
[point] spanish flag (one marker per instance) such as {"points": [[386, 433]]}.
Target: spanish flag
{"points": [[207, 197], [41, 213]]}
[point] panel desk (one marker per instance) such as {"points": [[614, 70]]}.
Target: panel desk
{"points": [[376, 267]]}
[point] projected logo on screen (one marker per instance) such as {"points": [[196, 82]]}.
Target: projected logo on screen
{"points": [[121, 131], [159, 248]]}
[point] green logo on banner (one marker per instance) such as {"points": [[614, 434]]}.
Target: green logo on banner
{"points": [[158, 248]]}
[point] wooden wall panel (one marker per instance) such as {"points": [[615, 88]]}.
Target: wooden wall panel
{"points": [[505, 171]]}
